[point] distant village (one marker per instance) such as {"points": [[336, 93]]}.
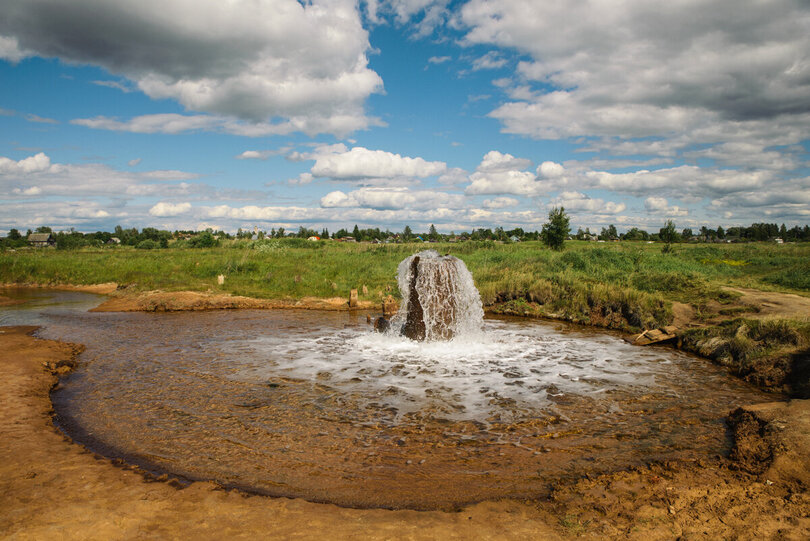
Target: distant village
{"points": [[151, 238]]}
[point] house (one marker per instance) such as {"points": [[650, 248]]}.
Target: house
{"points": [[114, 240], [41, 240], [314, 238]]}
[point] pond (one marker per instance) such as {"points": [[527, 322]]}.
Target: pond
{"points": [[316, 405]]}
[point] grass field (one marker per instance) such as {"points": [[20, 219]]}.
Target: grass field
{"points": [[630, 282]]}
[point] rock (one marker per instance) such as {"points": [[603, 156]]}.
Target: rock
{"points": [[221, 279], [365, 290], [381, 324], [334, 286], [389, 307], [353, 298], [414, 327]]}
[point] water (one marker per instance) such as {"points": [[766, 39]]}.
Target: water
{"points": [[315, 405], [439, 299]]}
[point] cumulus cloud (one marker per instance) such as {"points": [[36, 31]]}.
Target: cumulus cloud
{"points": [[720, 80], [305, 63], [659, 205], [393, 198], [550, 170], [33, 164], [499, 203], [362, 163], [164, 209], [576, 202], [500, 173]]}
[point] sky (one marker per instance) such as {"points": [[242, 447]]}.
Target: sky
{"points": [[188, 114]]}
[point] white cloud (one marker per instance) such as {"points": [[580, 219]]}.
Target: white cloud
{"points": [[393, 199], [255, 155], [719, 80], [576, 202], [491, 60], [494, 161], [10, 49], [33, 164], [500, 202], [500, 173], [362, 163], [134, 162], [659, 205], [550, 170], [439, 59], [164, 209], [301, 179], [303, 63], [33, 190]]}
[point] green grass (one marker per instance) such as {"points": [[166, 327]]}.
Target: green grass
{"points": [[621, 285]]}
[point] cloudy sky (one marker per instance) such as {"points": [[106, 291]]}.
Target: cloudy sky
{"points": [[386, 113]]}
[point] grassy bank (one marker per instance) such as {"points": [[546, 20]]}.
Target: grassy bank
{"points": [[626, 285], [774, 354]]}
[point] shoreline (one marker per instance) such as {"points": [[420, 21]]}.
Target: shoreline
{"points": [[769, 468]]}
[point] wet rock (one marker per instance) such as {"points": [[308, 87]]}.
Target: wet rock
{"points": [[381, 324], [353, 298]]}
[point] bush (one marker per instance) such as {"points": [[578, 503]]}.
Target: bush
{"points": [[147, 244]]}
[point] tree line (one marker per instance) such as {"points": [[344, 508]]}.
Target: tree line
{"points": [[554, 233]]}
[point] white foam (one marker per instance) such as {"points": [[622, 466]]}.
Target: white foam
{"points": [[523, 365]]}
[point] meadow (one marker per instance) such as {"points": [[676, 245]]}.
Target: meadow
{"points": [[626, 284]]}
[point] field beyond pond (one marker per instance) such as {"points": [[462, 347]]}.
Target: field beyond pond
{"points": [[626, 285]]}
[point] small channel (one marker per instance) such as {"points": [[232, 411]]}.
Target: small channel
{"points": [[315, 405]]}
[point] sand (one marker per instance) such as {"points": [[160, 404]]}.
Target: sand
{"points": [[51, 488]]}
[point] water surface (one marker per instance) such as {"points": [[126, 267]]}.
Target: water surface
{"points": [[313, 404]]}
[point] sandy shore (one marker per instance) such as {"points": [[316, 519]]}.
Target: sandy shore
{"points": [[51, 488]]}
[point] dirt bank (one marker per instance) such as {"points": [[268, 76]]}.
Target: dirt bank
{"points": [[52, 488], [173, 301]]}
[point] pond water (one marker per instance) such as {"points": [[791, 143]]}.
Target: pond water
{"points": [[315, 405]]}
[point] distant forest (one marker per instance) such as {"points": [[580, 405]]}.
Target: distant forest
{"points": [[150, 238]]}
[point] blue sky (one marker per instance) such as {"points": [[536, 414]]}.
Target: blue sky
{"points": [[185, 114]]}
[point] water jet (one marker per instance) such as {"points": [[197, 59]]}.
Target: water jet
{"points": [[439, 298]]}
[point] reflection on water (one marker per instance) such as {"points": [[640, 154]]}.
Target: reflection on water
{"points": [[312, 404]]}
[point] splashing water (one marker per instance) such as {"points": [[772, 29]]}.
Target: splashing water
{"points": [[440, 301]]}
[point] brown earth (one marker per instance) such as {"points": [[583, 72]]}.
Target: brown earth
{"points": [[773, 304], [172, 301], [51, 488]]}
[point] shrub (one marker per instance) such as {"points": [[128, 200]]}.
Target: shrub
{"points": [[147, 244]]}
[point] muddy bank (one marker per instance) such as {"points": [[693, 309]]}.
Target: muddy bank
{"points": [[50, 486], [176, 301]]}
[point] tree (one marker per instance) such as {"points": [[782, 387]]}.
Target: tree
{"points": [[556, 230], [356, 233], [668, 234], [432, 233], [407, 233]]}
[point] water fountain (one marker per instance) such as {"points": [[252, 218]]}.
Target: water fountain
{"points": [[442, 410], [440, 301]]}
